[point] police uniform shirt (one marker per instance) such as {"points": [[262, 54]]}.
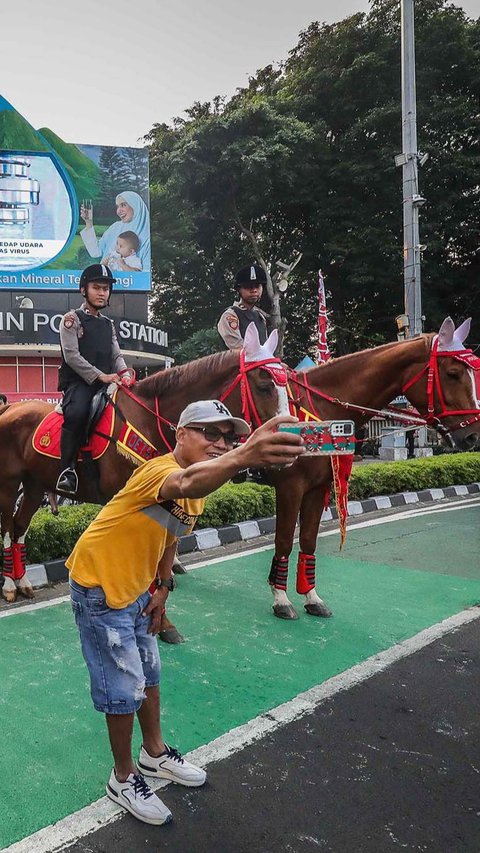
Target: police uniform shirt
{"points": [[229, 327], [71, 331]]}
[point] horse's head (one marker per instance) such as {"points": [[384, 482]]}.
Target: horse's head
{"points": [[450, 384], [267, 376]]}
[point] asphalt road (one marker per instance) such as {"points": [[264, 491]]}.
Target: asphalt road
{"points": [[391, 764]]}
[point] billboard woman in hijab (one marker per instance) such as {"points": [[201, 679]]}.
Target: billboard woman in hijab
{"points": [[132, 215]]}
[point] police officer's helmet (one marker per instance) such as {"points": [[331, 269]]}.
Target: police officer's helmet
{"points": [[97, 272], [250, 276]]}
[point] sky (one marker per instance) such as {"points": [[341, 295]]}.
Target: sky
{"points": [[105, 71]]}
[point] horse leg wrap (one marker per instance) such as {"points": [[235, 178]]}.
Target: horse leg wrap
{"points": [[305, 573], [8, 570], [279, 573], [19, 560]]}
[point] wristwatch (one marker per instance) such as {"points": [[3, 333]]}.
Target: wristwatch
{"points": [[170, 583]]}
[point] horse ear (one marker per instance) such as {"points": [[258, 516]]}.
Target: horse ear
{"points": [[463, 330], [251, 341], [445, 335], [272, 342]]}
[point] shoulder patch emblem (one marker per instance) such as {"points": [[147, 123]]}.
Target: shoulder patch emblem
{"points": [[69, 320], [232, 321]]}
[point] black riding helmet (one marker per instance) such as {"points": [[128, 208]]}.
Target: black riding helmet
{"points": [[97, 272], [250, 276]]}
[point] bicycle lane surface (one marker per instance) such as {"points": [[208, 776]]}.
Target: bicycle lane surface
{"points": [[391, 581]]}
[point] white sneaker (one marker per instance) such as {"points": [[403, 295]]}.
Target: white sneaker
{"points": [[138, 798], [170, 765]]}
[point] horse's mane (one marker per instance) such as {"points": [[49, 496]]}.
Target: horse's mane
{"points": [[168, 381], [361, 355]]}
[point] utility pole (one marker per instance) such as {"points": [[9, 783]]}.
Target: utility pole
{"points": [[410, 324]]}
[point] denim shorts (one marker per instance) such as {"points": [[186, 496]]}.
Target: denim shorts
{"points": [[122, 658]]}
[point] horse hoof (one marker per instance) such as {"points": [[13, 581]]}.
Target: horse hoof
{"points": [[10, 595], [284, 611], [171, 635], [26, 591], [318, 609], [178, 568]]}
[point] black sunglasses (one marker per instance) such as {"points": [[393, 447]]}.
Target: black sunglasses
{"points": [[213, 434]]}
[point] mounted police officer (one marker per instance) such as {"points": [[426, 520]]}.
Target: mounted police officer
{"points": [[233, 323], [91, 359]]}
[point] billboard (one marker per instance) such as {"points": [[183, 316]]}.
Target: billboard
{"points": [[65, 206]]}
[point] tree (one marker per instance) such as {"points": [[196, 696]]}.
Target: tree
{"points": [[302, 160]]}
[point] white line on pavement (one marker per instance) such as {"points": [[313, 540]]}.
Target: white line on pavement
{"points": [[66, 832]]}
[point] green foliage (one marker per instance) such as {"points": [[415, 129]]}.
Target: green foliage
{"points": [[51, 537], [242, 502], [388, 478], [203, 342]]}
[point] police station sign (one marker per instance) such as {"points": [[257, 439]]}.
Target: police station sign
{"points": [[42, 327]]}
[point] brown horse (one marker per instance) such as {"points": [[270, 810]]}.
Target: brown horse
{"points": [[159, 399], [435, 373]]}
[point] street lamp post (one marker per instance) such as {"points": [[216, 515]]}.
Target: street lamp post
{"points": [[412, 200]]}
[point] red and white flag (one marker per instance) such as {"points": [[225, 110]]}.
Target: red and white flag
{"points": [[323, 352]]}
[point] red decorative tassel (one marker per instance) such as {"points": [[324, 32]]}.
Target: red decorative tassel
{"points": [[341, 470], [305, 573]]}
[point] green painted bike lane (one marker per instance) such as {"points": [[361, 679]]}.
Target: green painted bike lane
{"points": [[390, 582]]}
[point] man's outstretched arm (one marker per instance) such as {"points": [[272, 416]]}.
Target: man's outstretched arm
{"points": [[263, 449]]}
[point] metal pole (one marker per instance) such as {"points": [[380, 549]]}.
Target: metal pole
{"points": [[412, 200]]}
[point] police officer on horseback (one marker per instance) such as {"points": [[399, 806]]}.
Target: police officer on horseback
{"points": [[233, 323], [91, 359]]}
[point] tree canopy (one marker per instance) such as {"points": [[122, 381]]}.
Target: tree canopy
{"points": [[304, 157]]}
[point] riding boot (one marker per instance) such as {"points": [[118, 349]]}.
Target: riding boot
{"points": [[67, 483]]}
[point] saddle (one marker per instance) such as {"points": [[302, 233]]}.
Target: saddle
{"points": [[101, 421]]}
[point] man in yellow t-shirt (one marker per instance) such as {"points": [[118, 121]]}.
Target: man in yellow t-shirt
{"points": [[130, 543]]}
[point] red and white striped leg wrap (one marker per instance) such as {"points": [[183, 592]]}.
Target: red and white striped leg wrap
{"points": [[279, 573], [305, 573]]}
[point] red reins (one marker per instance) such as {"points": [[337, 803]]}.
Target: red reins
{"points": [[433, 384], [249, 409]]}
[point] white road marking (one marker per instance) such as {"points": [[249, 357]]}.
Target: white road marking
{"points": [[39, 605], [65, 832]]}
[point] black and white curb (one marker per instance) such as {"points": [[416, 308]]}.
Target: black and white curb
{"points": [[43, 574]]}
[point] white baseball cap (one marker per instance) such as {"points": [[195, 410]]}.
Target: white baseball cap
{"points": [[211, 412]]}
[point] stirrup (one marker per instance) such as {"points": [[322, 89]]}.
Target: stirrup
{"points": [[67, 483]]}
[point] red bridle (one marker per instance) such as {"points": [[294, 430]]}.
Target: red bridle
{"points": [[434, 385], [249, 409]]}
